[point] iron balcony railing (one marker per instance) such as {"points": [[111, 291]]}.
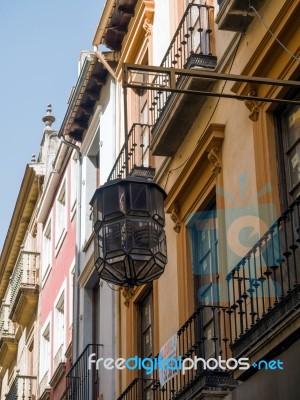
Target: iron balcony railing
{"points": [[24, 274], [191, 47], [205, 334], [22, 388], [263, 289], [83, 382], [266, 280], [138, 152], [7, 327]]}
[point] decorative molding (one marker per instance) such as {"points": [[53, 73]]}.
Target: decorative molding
{"points": [[141, 22], [128, 293], [211, 139], [214, 158], [253, 106], [46, 394], [58, 374], [175, 218], [34, 229], [147, 25], [69, 351]]}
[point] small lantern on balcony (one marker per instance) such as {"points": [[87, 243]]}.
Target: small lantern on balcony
{"points": [[130, 242]]}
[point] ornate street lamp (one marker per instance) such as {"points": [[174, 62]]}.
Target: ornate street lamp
{"points": [[130, 242]]}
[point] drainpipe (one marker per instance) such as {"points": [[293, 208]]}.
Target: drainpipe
{"points": [[75, 334]]}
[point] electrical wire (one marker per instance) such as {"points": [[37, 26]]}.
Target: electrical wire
{"points": [[111, 288], [219, 98], [273, 34]]}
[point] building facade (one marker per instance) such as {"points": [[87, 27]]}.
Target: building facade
{"points": [[38, 275], [20, 262], [223, 142], [56, 212], [230, 168]]}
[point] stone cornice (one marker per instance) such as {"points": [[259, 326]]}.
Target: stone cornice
{"points": [[141, 28]]}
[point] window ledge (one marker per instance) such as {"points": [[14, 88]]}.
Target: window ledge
{"points": [[46, 275], [60, 241], [73, 211]]}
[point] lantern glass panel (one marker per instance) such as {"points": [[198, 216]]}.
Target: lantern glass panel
{"points": [[145, 234], [112, 238], [139, 196], [157, 206], [114, 203]]}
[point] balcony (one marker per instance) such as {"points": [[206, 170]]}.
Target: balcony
{"points": [[23, 388], [264, 289], [232, 14], [264, 300], [138, 154], [191, 47], [8, 341], [84, 383], [24, 288], [205, 334]]}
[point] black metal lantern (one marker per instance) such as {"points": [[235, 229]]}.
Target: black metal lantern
{"points": [[130, 242]]}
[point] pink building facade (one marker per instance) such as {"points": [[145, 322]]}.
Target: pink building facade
{"points": [[56, 213]]}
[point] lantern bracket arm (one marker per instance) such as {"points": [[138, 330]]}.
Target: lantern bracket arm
{"points": [[165, 79]]}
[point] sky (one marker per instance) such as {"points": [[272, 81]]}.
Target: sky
{"points": [[40, 44]]}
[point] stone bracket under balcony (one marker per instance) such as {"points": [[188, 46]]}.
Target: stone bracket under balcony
{"points": [[181, 110], [24, 304], [208, 385], [8, 350], [232, 14]]}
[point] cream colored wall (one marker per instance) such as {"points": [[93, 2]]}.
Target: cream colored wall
{"points": [[168, 290], [241, 176], [161, 22]]}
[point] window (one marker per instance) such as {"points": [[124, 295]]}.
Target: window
{"points": [[47, 250], [91, 181], [142, 133], [71, 296], [145, 153], [199, 21], [45, 353], [60, 218], [59, 325], [204, 249], [289, 153], [146, 339]]}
